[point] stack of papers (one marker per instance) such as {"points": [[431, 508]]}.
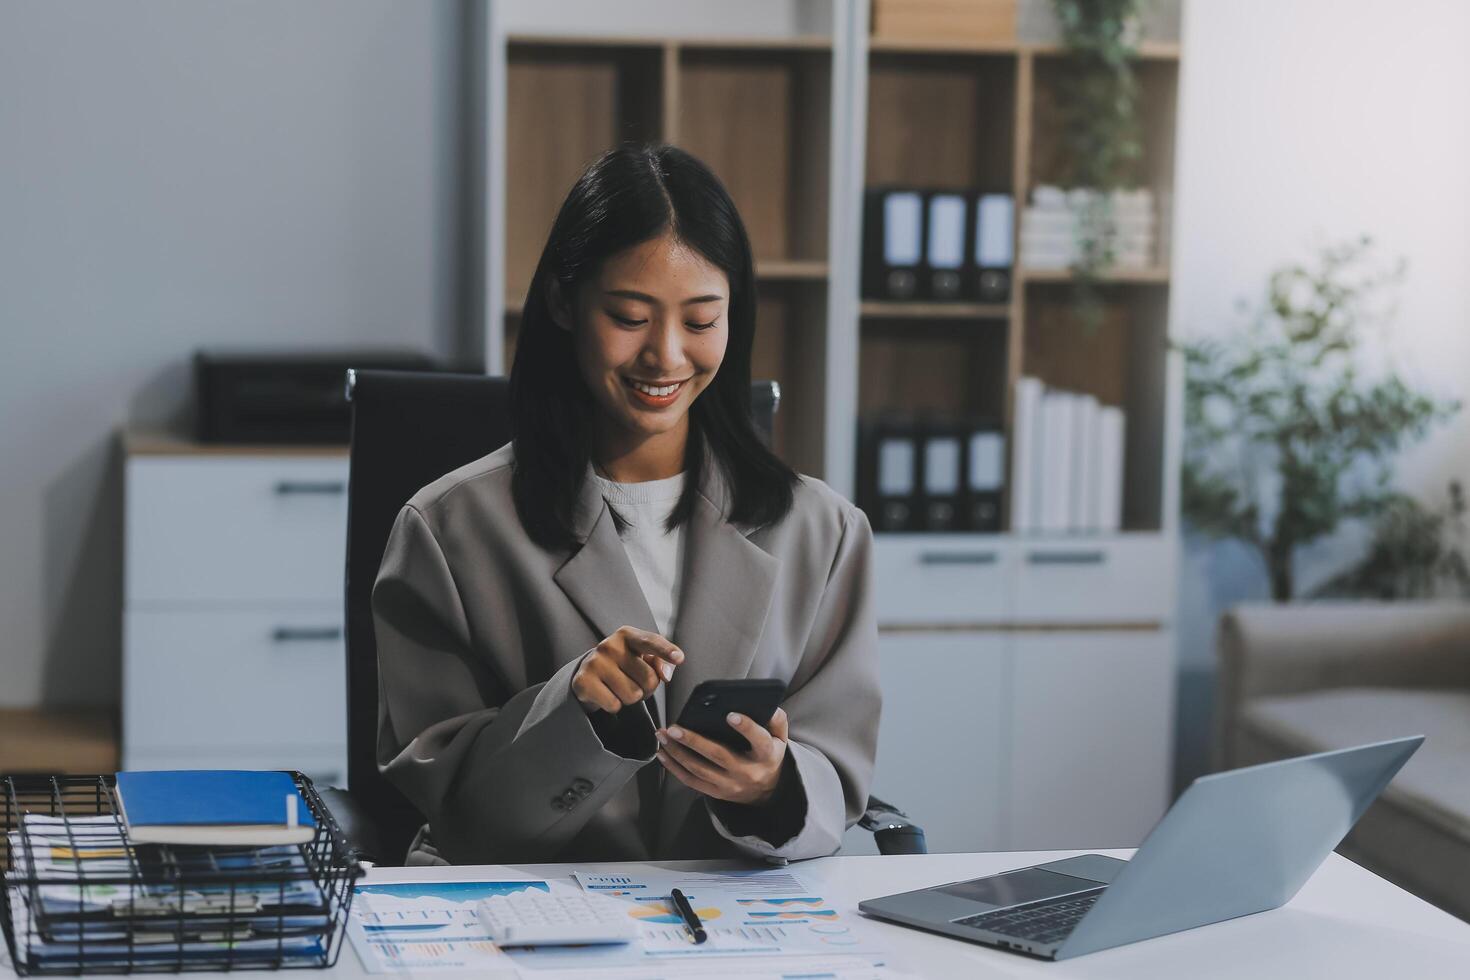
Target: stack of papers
{"points": [[61, 914], [1052, 226]]}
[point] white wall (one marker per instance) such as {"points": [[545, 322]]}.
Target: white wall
{"points": [[1310, 122], [184, 173]]}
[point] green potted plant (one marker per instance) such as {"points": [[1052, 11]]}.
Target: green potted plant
{"points": [[1101, 132], [1287, 435]]}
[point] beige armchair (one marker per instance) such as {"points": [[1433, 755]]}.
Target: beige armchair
{"points": [[1305, 678]]}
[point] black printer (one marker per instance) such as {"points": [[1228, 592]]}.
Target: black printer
{"points": [[296, 397]]}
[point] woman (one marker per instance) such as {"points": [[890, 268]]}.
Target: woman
{"points": [[543, 613]]}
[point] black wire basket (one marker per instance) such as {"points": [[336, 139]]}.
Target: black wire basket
{"points": [[79, 898]]}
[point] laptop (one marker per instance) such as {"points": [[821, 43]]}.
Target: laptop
{"points": [[1233, 844]]}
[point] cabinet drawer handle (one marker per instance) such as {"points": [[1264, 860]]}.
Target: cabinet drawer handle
{"points": [[333, 488], [1067, 557], [305, 634], [957, 558]]}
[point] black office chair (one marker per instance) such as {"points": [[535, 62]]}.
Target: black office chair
{"points": [[408, 429]]}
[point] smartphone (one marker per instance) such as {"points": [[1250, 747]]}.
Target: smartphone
{"points": [[711, 701]]}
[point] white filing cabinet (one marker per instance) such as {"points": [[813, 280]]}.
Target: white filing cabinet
{"points": [[942, 744], [1028, 688], [233, 651]]}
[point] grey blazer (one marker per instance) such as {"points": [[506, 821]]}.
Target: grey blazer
{"points": [[480, 630]]}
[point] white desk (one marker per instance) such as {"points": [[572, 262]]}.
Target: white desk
{"points": [[1345, 923]]}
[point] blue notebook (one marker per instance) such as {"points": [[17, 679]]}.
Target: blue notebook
{"points": [[224, 807]]}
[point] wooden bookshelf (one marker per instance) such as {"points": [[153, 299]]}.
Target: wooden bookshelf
{"points": [[958, 115], [939, 113], [724, 96], [569, 98], [566, 102]]}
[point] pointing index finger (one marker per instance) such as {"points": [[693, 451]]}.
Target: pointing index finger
{"points": [[659, 666], [644, 643]]}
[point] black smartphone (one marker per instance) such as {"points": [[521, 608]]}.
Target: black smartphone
{"points": [[711, 701]]}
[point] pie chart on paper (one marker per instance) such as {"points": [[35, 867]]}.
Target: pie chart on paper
{"points": [[660, 913]]}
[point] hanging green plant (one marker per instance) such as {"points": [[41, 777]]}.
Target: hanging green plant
{"points": [[1101, 131]]}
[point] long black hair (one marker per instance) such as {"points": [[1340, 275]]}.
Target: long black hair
{"points": [[628, 196]]}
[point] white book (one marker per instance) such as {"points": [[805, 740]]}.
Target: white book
{"points": [[1043, 244], [1048, 196], [1032, 258], [1084, 455], [1139, 201], [1026, 456], [1110, 429], [1056, 440], [1048, 239]]}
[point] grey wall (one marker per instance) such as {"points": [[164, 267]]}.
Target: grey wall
{"points": [[183, 173]]}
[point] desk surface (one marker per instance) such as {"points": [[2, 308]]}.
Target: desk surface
{"points": [[1346, 922]]}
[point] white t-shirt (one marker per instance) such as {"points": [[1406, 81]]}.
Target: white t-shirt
{"points": [[657, 555]]}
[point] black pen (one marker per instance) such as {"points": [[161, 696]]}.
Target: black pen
{"points": [[686, 912]]}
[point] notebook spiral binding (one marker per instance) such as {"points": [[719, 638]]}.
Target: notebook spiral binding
{"points": [[78, 898]]}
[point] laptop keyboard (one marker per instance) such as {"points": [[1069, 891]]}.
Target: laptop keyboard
{"points": [[1048, 922]]}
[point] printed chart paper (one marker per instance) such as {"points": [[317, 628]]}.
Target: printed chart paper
{"points": [[402, 926], [746, 912], [719, 968]]}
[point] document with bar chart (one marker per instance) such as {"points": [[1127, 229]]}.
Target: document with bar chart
{"points": [[747, 912], [403, 926]]}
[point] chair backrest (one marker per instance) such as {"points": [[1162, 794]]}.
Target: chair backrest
{"points": [[408, 429]]}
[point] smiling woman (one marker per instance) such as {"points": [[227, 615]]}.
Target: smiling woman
{"points": [[653, 330], [542, 612]]}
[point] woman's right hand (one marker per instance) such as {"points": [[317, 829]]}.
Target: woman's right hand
{"points": [[624, 668]]}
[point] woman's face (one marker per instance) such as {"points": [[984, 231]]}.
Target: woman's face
{"points": [[656, 316]]}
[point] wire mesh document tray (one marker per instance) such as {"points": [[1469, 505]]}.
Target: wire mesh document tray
{"points": [[79, 898]]}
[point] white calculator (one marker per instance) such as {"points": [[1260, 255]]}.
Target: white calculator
{"points": [[536, 918]]}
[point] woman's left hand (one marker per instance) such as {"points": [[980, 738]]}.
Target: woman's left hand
{"points": [[707, 767]]}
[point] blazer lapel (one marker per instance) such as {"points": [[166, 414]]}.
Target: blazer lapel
{"points": [[725, 596], [599, 578]]}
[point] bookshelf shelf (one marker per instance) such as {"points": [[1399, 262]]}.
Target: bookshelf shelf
{"points": [[1151, 275], [808, 269], [931, 46], [799, 42], [1147, 51], [875, 309], [773, 42]]}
